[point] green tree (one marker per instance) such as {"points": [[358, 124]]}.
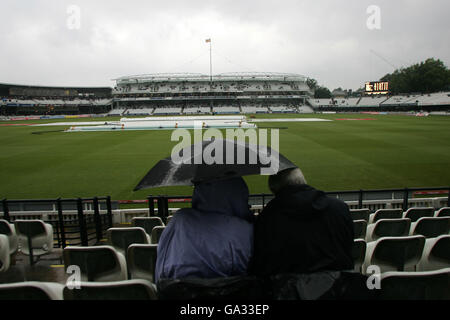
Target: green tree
{"points": [[322, 93], [428, 76]]}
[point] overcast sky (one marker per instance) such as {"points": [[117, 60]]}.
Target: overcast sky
{"points": [[40, 42]]}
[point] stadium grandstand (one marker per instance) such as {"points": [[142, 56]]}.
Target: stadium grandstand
{"points": [[196, 94], [228, 93], [40, 100]]}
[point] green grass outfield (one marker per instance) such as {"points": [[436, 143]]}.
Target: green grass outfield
{"points": [[391, 151]]}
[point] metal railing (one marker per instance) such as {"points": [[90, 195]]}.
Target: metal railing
{"points": [[80, 227], [361, 196], [75, 228]]}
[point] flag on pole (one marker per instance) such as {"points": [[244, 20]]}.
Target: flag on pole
{"points": [[208, 40]]}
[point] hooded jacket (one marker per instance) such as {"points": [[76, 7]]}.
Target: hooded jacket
{"points": [[302, 230], [212, 239]]}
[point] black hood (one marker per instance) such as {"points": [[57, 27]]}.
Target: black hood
{"points": [[301, 202]]}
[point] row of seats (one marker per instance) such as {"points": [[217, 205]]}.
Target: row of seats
{"points": [[115, 290], [428, 285], [33, 237], [411, 253], [38, 235], [412, 213], [429, 227]]}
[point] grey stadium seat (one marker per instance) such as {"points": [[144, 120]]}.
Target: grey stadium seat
{"points": [[388, 228], [360, 214], [443, 212], [4, 253], [117, 290], [9, 230], [359, 228], [428, 285], [385, 214], [31, 291], [156, 234], [431, 227], [122, 238], [436, 254], [98, 263], [394, 253], [141, 260], [358, 253], [416, 213], [37, 233], [147, 223]]}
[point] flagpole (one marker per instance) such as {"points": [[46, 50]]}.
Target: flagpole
{"points": [[210, 61]]}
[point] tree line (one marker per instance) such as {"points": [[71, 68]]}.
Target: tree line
{"points": [[428, 76]]}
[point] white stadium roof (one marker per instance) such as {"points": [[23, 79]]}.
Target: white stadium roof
{"points": [[232, 76]]}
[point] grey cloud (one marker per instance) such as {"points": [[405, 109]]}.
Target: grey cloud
{"points": [[326, 39]]}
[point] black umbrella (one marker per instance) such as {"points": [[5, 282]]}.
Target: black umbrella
{"points": [[233, 158]]}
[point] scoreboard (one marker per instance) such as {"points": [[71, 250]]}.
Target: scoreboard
{"points": [[377, 87]]}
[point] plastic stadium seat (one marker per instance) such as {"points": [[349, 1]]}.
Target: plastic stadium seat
{"points": [[416, 213], [428, 285], [117, 290], [168, 219], [156, 234], [4, 253], [436, 254], [141, 260], [37, 234], [388, 228], [122, 238], [147, 223], [394, 253], [9, 230], [430, 227], [359, 253], [31, 291], [359, 228], [360, 214], [443, 212], [385, 214], [99, 263]]}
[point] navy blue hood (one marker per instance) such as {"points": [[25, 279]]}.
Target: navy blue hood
{"points": [[228, 197]]}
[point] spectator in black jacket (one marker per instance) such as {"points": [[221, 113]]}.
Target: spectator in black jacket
{"points": [[301, 230]]}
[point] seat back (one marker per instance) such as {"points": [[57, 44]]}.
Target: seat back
{"points": [[117, 290], [31, 291], [38, 232], [147, 223], [436, 254], [391, 228], [95, 263], [122, 238], [358, 253], [360, 214], [416, 213], [30, 228], [141, 260], [4, 253], [5, 227], [431, 227], [156, 234], [443, 212], [387, 214], [9, 230], [398, 253], [359, 228], [431, 285]]}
